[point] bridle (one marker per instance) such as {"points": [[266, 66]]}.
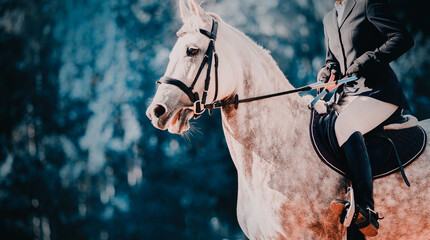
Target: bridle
{"points": [[199, 105]]}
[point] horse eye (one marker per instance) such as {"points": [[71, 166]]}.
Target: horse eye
{"points": [[192, 51]]}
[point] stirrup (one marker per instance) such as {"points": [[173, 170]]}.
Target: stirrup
{"points": [[345, 208], [351, 210]]}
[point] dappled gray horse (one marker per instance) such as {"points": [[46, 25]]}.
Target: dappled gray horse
{"points": [[284, 189]]}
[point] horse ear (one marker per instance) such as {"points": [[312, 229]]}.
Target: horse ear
{"points": [[198, 11], [185, 12]]}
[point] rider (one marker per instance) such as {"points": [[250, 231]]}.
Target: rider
{"points": [[362, 37]]}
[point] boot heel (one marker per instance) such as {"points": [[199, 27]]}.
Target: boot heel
{"points": [[369, 231], [368, 225], [337, 206]]}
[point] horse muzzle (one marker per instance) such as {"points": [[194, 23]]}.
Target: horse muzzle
{"points": [[176, 121], [158, 115]]}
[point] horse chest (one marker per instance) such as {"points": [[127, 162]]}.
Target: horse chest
{"points": [[264, 211], [270, 217]]}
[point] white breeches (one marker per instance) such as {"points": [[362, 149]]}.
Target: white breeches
{"points": [[360, 113]]}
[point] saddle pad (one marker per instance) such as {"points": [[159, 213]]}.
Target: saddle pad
{"points": [[409, 142]]}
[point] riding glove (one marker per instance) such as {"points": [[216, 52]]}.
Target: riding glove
{"points": [[354, 70], [325, 72]]}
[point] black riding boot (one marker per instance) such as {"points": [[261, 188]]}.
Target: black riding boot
{"points": [[359, 168], [360, 175]]}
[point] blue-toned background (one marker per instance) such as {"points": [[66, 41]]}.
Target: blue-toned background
{"points": [[78, 157]]}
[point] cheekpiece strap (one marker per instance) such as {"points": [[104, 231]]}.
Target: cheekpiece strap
{"points": [[214, 30]]}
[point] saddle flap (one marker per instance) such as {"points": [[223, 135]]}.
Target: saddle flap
{"points": [[409, 145]]}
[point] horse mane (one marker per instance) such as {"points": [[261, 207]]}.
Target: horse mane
{"points": [[258, 50], [215, 16], [194, 23], [251, 43]]}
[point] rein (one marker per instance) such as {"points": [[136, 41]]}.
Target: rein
{"points": [[329, 85], [199, 106]]}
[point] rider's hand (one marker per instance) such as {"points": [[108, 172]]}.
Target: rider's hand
{"points": [[327, 70], [324, 74], [354, 70]]}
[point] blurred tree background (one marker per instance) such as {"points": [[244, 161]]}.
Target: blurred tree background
{"points": [[79, 159]]}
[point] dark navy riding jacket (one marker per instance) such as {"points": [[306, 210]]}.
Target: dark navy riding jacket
{"points": [[371, 35]]}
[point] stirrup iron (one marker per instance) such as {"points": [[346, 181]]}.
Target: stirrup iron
{"points": [[349, 216]]}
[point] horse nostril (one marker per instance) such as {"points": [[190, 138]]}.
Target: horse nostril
{"points": [[159, 111]]}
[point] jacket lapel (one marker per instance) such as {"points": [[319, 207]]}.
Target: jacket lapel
{"points": [[333, 19], [333, 35], [348, 8], [332, 27]]}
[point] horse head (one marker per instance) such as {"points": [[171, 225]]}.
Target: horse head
{"points": [[191, 72]]}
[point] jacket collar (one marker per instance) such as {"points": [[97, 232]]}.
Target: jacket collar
{"points": [[348, 8]]}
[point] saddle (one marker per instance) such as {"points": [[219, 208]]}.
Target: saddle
{"points": [[389, 150]]}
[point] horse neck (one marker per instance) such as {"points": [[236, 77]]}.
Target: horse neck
{"points": [[273, 130]]}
